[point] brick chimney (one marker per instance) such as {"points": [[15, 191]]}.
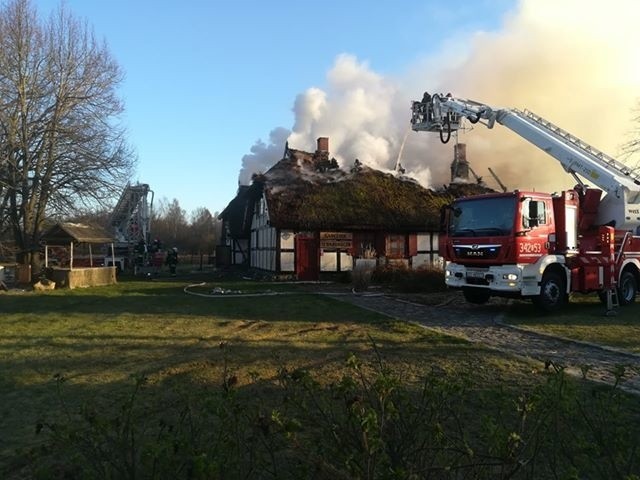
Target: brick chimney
{"points": [[323, 145], [460, 165]]}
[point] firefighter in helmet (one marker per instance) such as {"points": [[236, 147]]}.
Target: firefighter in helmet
{"points": [[172, 260]]}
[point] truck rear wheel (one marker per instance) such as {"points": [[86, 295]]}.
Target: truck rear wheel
{"points": [[628, 288], [553, 295], [476, 295]]}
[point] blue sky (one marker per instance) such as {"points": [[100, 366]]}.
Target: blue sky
{"points": [[204, 80]]}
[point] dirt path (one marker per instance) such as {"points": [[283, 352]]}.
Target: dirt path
{"points": [[482, 324]]}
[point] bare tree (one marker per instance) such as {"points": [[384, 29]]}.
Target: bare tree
{"points": [[632, 147], [203, 232], [196, 233], [169, 224], [61, 146]]}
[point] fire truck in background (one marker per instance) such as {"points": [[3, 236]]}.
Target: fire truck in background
{"points": [[131, 224], [527, 244]]}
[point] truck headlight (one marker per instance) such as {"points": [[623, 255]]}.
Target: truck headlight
{"points": [[510, 276], [447, 273]]}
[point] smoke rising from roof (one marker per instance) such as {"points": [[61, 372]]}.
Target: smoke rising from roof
{"points": [[263, 156], [574, 63]]}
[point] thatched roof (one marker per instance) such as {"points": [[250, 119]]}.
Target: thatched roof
{"points": [[305, 191], [238, 213], [65, 233], [363, 200], [457, 190]]}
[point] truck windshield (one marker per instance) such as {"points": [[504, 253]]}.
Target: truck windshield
{"points": [[482, 217]]}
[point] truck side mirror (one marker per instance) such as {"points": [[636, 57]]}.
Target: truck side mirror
{"points": [[533, 214], [446, 213]]}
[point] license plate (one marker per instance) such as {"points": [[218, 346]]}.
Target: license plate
{"points": [[475, 273]]}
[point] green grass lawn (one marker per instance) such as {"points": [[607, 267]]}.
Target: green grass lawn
{"points": [[584, 319], [65, 353], [100, 338]]}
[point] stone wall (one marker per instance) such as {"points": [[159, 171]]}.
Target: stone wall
{"points": [[83, 277]]}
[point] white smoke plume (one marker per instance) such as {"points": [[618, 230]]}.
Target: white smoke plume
{"points": [[263, 156], [356, 112], [573, 62]]}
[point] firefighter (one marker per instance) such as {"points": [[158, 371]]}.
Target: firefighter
{"points": [[426, 106], [141, 252], [172, 260]]}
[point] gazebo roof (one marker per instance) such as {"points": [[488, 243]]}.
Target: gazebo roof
{"points": [[64, 233]]}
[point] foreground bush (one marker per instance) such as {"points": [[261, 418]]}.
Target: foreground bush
{"points": [[424, 279], [370, 424], [361, 276]]}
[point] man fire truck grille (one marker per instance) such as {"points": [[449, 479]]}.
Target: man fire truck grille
{"points": [[477, 251]]}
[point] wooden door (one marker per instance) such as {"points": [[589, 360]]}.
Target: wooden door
{"points": [[307, 259]]}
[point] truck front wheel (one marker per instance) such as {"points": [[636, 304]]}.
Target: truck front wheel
{"points": [[628, 288], [476, 295], [552, 293]]}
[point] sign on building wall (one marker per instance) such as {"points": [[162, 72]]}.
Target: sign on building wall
{"points": [[337, 240]]}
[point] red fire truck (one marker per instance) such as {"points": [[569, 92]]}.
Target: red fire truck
{"points": [[541, 246]]}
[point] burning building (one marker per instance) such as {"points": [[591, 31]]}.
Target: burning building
{"points": [[305, 216]]}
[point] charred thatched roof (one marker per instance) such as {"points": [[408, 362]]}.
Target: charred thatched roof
{"points": [[366, 199], [237, 215], [306, 191], [457, 190]]}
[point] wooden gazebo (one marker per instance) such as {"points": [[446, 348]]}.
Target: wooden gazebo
{"points": [[70, 235]]}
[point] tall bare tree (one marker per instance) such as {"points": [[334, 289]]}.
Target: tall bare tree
{"points": [[61, 146]]}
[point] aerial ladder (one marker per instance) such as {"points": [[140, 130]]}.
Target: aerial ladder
{"points": [[620, 208], [131, 222]]}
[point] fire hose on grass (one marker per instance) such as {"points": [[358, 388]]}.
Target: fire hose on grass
{"points": [[220, 293]]}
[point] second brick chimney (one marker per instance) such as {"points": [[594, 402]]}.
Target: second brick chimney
{"points": [[460, 165], [323, 145]]}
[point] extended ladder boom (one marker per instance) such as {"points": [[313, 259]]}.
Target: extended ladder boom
{"points": [[621, 206], [131, 217]]}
